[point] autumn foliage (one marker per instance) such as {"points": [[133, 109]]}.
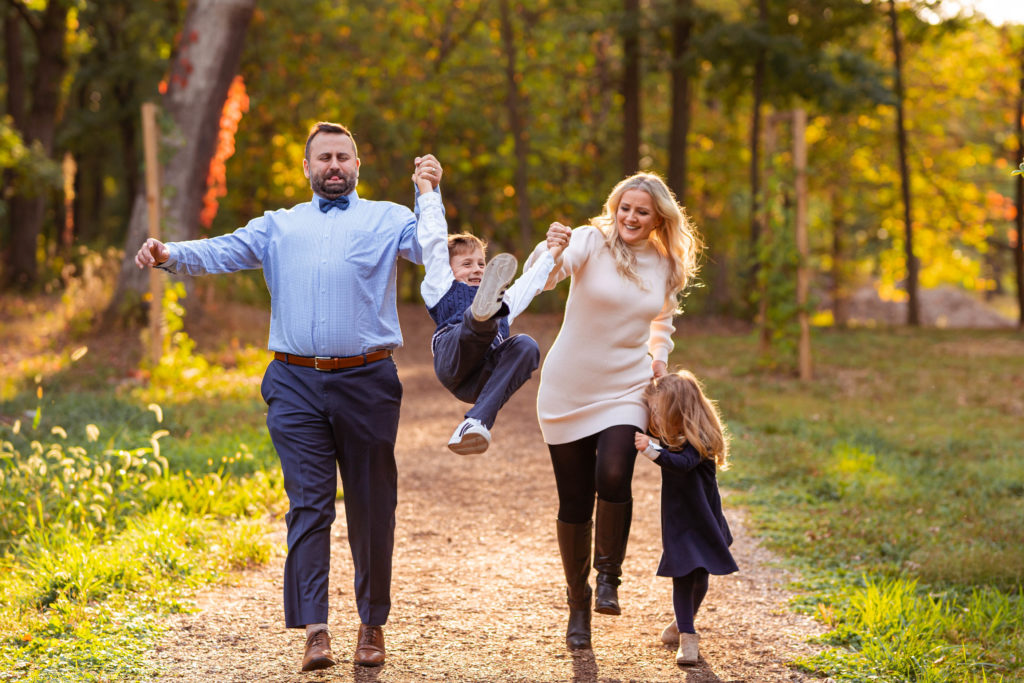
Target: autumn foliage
{"points": [[236, 105]]}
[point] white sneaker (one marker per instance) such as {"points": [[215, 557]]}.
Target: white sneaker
{"points": [[470, 438], [498, 273], [687, 654], [670, 636]]}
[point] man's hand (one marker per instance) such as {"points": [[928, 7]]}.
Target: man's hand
{"points": [[558, 239], [659, 368], [152, 253], [429, 168]]}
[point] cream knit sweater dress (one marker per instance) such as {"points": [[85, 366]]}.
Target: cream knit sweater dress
{"points": [[595, 373]]}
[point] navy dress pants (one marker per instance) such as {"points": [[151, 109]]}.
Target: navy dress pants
{"points": [[476, 370], [320, 423]]}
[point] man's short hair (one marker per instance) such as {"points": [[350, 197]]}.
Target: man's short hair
{"points": [[463, 242], [328, 127]]}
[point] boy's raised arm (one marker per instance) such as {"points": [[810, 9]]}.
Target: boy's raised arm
{"points": [[432, 233]]}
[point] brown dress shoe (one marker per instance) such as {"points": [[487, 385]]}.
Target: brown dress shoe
{"points": [[318, 651], [370, 649]]}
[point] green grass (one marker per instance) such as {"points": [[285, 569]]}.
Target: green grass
{"points": [[895, 482], [114, 508]]}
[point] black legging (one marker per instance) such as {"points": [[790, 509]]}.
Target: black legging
{"points": [[687, 594], [601, 463]]}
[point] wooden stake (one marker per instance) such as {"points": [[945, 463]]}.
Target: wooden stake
{"points": [[802, 274], [69, 168], [151, 142]]}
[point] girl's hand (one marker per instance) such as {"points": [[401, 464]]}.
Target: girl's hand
{"points": [[642, 441], [644, 446], [659, 368]]}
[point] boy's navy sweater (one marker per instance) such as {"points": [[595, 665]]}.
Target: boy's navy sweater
{"points": [[459, 297]]}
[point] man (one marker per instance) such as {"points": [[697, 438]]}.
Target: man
{"points": [[332, 392]]}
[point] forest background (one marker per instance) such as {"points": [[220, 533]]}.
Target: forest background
{"points": [[536, 110]]}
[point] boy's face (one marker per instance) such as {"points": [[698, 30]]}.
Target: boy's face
{"points": [[468, 266]]}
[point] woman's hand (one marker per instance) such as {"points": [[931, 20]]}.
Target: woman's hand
{"points": [[558, 239], [659, 368]]}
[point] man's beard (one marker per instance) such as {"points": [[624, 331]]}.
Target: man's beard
{"points": [[332, 190]]}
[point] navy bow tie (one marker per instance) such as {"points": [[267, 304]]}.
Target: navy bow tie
{"points": [[327, 204]]}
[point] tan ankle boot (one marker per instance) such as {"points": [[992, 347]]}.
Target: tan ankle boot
{"points": [[670, 636], [687, 653]]}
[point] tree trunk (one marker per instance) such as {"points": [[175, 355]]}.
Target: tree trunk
{"points": [[756, 200], [518, 127], [682, 26], [128, 129], [15, 102], [38, 126], [913, 314], [15, 74], [803, 276], [207, 60], [631, 88], [1019, 251], [764, 287], [840, 293]]}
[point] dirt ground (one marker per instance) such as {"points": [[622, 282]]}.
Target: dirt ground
{"points": [[478, 592]]}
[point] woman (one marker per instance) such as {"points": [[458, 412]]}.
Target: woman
{"points": [[628, 268]]}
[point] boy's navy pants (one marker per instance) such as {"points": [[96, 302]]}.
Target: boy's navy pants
{"points": [[478, 369]]}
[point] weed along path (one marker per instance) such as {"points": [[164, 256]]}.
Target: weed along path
{"points": [[478, 592]]}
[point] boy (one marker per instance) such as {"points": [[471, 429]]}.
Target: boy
{"points": [[475, 357]]}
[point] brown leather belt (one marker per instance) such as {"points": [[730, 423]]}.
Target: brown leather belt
{"points": [[327, 364]]}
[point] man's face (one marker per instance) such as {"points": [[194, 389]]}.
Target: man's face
{"points": [[332, 166]]}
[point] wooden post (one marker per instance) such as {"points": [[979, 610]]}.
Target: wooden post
{"points": [[69, 168], [151, 141], [802, 275]]}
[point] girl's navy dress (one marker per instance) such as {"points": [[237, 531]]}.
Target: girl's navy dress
{"points": [[694, 532]]}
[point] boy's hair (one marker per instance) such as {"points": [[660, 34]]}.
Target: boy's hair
{"points": [[465, 241], [681, 413]]}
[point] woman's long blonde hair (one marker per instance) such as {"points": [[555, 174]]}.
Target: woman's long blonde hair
{"points": [[681, 413], [675, 236]]}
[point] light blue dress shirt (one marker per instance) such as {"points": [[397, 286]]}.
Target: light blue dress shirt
{"points": [[331, 276]]}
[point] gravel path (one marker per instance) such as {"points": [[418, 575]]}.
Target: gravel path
{"points": [[478, 592]]}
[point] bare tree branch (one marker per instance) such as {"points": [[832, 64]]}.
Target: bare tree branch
{"points": [[26, 14]]}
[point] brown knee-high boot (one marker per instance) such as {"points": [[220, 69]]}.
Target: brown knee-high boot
{"points": [[574, 546], [613, 520]]}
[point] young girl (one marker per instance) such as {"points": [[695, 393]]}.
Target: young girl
{"points": [[694, 534]]}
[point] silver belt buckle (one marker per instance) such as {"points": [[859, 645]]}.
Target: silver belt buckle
{"points": [[316, 363]]}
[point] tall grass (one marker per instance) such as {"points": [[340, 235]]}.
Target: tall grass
{"points": [[98, 541], [893, 629], [109, 520]]}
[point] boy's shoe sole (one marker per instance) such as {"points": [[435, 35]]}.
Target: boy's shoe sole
{"points": [[498, 273], [469, 439]]}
